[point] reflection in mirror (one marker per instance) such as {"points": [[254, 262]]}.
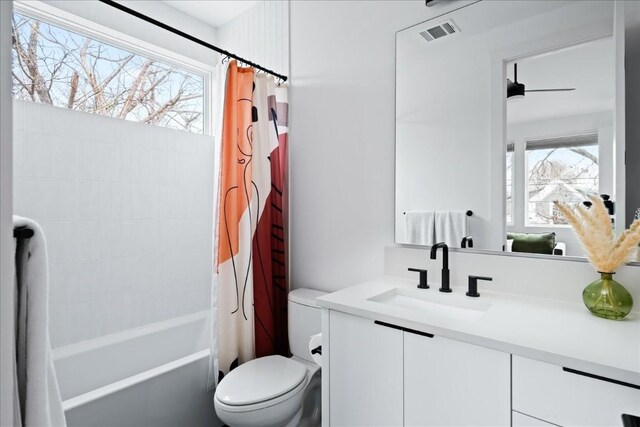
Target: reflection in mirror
{"points": [[473, 136], [559, 142]]}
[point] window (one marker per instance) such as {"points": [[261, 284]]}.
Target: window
{"points": [[564, 169], [509, 182], [65, 69]]}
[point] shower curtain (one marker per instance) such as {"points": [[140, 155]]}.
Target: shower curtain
{"points": [[235, 226], [270, 281], [250, 287]]}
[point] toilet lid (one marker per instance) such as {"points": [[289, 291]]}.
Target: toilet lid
{"points": [[259, 380]]}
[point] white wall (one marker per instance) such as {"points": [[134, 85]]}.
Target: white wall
{"points": [[7, 336], [342, 136], [126, 209], [260, 35]]}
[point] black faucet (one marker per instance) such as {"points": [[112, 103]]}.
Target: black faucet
{"points": [[473, 285], [445, 264], [423, 277]]}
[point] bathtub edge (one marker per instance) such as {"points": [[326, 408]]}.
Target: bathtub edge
{"points": [[90, 396]]}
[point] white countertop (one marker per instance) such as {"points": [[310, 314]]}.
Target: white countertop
{"points": [[561, 333]]}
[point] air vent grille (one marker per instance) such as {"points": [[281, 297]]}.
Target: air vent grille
{"points": [[438, 31], [426, 35], [448, 28]]}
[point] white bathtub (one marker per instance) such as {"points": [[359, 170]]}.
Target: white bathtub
{"points": [[151, 376]]}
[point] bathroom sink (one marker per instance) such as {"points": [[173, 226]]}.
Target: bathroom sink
{"points": [[440, 305]]}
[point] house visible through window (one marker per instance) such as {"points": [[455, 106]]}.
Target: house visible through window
{"points": [[564, 169], [52, 65]]}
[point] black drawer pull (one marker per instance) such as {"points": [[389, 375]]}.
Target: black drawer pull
{"points": [[598, 377], [388, 325], [411, 331]]}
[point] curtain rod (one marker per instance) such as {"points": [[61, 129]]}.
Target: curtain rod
{"points": [[189, 37]]}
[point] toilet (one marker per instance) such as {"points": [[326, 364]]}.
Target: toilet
{"points": [[276, 391]]}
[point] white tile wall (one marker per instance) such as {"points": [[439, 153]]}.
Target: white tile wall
{"points": [[261, 34], [127, 212]]}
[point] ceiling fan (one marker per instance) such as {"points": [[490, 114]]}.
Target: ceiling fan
{"points": [[517, 90]]}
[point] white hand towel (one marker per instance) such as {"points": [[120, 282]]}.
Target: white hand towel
{"points": [[420, 227], [37, 385], [451, 227]]}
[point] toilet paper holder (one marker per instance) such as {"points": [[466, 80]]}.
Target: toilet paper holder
{"points": [[317, 350]]}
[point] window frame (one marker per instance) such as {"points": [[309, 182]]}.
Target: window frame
{"points": [[525, 171], [510, 148], [51, 15]]}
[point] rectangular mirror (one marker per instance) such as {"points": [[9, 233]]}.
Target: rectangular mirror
{"points": [[502, 108]]}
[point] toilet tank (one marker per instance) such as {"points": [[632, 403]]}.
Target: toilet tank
{"points": [[304, 320]]}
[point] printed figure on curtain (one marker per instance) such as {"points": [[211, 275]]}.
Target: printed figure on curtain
{"points": [[251, 265]]}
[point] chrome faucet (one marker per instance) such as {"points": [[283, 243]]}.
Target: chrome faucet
{"points": [[444, 287]]}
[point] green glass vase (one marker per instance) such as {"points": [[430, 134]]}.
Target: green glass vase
{"points": [[607, 298]]}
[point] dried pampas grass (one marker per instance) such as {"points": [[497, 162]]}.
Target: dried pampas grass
{"points": [[593, 227]]}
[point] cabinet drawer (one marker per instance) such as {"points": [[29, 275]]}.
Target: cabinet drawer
{"points": [[452, 383], [549, 393], [365, 374]]}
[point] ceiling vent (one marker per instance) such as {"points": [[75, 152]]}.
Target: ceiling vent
{"points": [[443, 29]]}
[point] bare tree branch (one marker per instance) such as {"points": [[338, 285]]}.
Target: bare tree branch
{"points": [[73, 90], [585, 153], [130, 102], [24, 85], [160, 112], [91, 78], [31, 62], [121, 64], [52, 65]]}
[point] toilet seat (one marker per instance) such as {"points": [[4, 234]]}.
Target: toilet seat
{"points": [[260, 383]]}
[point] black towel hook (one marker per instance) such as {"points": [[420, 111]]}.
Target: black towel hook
{"points": [[23, 233]]}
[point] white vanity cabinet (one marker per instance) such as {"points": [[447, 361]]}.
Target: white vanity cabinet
{"points": [[383, 375], [365, 373], [393, 357], [451, 383], [566, 397]]}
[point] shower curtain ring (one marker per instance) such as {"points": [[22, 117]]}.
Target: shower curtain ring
{"points": [[225, 59]]}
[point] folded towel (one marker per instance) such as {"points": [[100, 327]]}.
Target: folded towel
{"points": [[419, 226], [37, 386], [451, 227]]}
